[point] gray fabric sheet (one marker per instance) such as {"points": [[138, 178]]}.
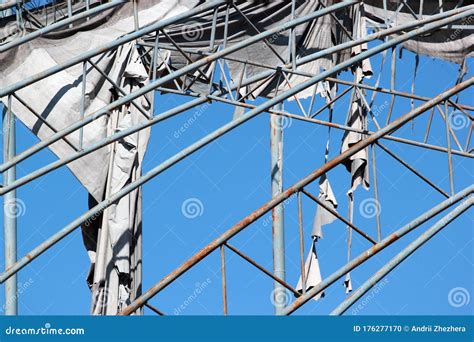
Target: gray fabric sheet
{"points": [[106, 171]]}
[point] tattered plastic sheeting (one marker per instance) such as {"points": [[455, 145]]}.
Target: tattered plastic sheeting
{"points": [[312, 272], [450, 44], [58, 100], [311, 37], [122, 221], [323, 217]]}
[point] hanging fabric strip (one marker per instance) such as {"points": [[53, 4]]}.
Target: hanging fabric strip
{"points": [[347, 279], [412, 101], [322, 217], [312, 271]]}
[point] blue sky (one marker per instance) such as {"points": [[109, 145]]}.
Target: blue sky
{"points": [[230, 178]]}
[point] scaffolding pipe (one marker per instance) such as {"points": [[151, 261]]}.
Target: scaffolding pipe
{"points": [[289, 192], [400, 257], [278, 226], [377, 248], [335, 276], [145, 89], [50, 28], [231, 125], [155, 84], [162, 24], [10, 210], [346, 128]]}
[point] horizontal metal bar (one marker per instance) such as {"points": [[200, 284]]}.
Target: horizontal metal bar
{"points": [[228, 127], [289, 192], [377, 248], [157, 83], [400, 257], [109, 46], [346, 128], [59, 24]]}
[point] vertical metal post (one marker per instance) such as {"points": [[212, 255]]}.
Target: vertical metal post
{"points": [[69, 10], [276, 149], [135, 15], [9, 209], [376, 193], [301, 233], [224, 282], [447, 120]]}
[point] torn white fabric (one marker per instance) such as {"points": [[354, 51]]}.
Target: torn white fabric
{"points": [[449, 43], [57, 98], [312, 272], [323, 216], [121, 219], [348, 283], [357, 164]]}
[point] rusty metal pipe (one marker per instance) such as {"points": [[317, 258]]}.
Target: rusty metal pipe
{"points": [[400, 257]]}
